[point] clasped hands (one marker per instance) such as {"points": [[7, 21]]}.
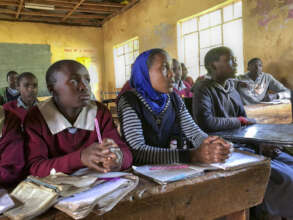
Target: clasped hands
{"points": [[100, 157], [213, 149]]}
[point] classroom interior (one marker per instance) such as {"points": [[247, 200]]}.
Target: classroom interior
{"points": [[266, 25], [108, 46]]}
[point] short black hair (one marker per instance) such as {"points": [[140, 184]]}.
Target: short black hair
{"points": [[10, 73], [214, 55], [253, 60], [152, 55], [57, 66], [175, 61], [25, 75]]}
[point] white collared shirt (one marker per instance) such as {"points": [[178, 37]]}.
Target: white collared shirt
{"points": [[13, 92], [57, 122], [20, 103]]}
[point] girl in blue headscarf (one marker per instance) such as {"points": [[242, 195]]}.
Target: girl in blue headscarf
{"points": [[155, 122]]}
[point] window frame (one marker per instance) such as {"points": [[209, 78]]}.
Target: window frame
{"points": [[134, 51], [181, 36]]}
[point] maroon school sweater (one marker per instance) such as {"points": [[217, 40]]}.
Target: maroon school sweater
{"points": [[11, 150], [20, 112], [62, 151]]}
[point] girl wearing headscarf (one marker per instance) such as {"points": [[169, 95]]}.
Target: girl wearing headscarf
{"points": [[155, 122]]}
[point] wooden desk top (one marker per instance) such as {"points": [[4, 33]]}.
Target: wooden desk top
{"points": [[275, 134], [270, 114], [206, 197]]}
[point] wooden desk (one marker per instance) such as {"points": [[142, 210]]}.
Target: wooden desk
{"points": [[270, 114], [207, 197], [272, 134]]}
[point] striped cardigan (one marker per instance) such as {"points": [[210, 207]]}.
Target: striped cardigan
{"points": [[133, 134]]}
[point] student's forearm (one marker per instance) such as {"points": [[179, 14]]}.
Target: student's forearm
{"points": [[190, 129], [145, 154], [12, 160], [40, 166], [213, 124]]}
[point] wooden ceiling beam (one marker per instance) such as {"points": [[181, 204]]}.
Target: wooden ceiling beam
{"points": [[80, 8], [57, 21], [20, 6], [39, 14], [102, 4], [7, 11], [4, 3], [70, 13], [65, 10], [126, 7]]}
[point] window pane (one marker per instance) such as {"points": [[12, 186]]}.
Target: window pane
{"points": [[135, 54], [128, 58], [135, 45], [193, 71], [215, 36], [202, 54], [215, 18], [189, 26], [120, 50], [203, 70], [204, 21], [123, 58], [228, 13], [127, 72], [233, 38], [238, 9], [204, 38], [191, 52], [120, 72], [128, 47]]}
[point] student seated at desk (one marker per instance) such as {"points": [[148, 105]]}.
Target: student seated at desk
{"points": [[155, 122], [11, 148], [187, 79], [216, 103], [27, 85], [61, 131], [256, 86], [181, 87], [9, 93], [217, 106]]}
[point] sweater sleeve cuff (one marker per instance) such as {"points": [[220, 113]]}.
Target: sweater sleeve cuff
{"points": [[197, 140], [75, 160]]}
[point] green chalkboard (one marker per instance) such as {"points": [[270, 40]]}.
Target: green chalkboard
{"points": [[35, 58]]}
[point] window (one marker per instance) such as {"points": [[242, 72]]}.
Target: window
{"points": [[198, 34], [124, 55]]}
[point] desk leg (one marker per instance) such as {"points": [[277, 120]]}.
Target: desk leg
{"points": [[241, 215]]}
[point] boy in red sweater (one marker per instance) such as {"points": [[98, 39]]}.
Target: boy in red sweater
{"points": [[61, 131], [27, 85], [11, 148]]}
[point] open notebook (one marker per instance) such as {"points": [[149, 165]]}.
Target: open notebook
{"points": [[164, 174]]}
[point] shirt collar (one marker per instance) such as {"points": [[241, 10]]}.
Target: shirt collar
{"points": [[13, 92], [20, 103], [226, 88], [2, 119], [57, 122]]}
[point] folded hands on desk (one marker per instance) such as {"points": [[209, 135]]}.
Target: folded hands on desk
{"points": [[213, 149]]}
